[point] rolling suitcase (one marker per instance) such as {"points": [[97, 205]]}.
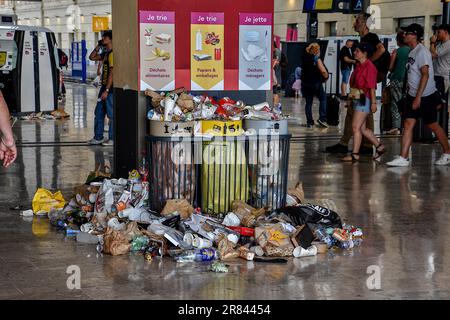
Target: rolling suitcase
{"points": [[333, 106], [386, 111]]}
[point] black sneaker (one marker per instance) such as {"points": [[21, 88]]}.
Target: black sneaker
{"points": [[337, 148], [366, 150]]}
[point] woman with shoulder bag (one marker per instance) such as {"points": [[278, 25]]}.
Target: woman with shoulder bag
{"points": [[363, 84], [314, 73]]}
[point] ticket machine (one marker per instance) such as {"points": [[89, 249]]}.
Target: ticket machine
{"points": [[28, 68]]}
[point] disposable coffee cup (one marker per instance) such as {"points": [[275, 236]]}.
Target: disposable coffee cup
{"points": [[201, 243], [169, 106], [88, 227], [188, 239], [299, 252], [233, 238], [257, 250]]}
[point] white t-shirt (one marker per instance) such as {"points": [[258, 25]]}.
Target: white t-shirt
{"points": [[442, 62], [418, 58]]}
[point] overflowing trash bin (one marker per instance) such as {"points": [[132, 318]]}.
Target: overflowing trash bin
{"points": [[213, 186], [172, 170]]}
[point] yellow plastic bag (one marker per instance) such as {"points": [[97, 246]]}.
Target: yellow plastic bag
{"points": [[44, 201]]}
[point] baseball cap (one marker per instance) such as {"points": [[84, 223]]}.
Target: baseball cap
{"points": [[444, 27], [414, 28]]}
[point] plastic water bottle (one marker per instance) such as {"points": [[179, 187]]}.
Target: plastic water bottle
{"points": [[71, 232], [323, 236], [346, 245], [198, 255]]}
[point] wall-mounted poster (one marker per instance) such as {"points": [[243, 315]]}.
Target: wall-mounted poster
{"points": [[255, 45], [207, 51], [157, 50]]}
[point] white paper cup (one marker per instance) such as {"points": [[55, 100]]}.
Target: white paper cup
{"points": [[188, 239], [169, 106], [257, 250], [299, 252], [233, 238], [88, 227], [201, 243]]}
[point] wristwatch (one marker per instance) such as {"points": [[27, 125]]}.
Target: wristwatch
{"points": [[107, 90]]}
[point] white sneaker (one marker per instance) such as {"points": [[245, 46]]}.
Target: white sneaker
{"points": [[108, 143], [399, 162], [95, 142], [444, 160]]}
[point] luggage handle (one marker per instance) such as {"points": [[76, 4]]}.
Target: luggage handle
{"points": [[326, 83]]}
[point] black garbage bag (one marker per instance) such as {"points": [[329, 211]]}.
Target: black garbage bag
{"points": [[309, 213]]}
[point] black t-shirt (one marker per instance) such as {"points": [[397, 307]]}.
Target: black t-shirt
{"points": [[311, 75], [346, 52], [382, 63]]}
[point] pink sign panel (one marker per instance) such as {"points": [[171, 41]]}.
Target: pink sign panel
{"points": [[255, 19], [207, 18], [161, 17]]}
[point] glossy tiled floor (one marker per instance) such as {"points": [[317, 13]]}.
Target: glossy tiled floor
{"points": [[404, 213]]}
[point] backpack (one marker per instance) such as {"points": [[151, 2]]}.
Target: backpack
{"points": [[382, 65], [63, 58]]}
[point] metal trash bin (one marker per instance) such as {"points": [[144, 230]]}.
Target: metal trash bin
{"points": [[268, 158], [173, 173]]}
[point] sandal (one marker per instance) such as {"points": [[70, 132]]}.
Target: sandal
{"points": [[379, 152], [351, 158]]}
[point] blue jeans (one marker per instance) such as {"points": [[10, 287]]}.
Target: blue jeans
{"points": [[309, 92], [103, 108], [345, 75]]}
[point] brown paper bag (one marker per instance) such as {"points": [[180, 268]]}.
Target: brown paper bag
{"points": [[115, 243], [298, 193], [182, 206], [185, 102]]}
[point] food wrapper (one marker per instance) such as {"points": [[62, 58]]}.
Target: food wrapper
{"points": [[274, 240], [226, 248], [182, 206], [44, 201]]}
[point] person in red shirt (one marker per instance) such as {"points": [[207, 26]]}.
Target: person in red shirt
{"points": [[363, 84]]}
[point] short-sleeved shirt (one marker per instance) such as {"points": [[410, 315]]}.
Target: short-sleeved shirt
{"points": [[108, 63], [346, 52], [442, 62], [401, 60], [364, 77], [418, 58], [382, 63]]}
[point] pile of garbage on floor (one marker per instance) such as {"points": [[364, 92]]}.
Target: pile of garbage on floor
{"points": [[54, 115], [179, 106], [113, 215]]}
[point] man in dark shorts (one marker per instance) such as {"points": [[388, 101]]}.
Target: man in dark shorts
{"points": [[422, 100], [381, 60]]}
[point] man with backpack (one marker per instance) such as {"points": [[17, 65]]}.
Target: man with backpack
{"points": [[381, 59]]}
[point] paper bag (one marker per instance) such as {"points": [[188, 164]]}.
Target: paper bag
{"points": [[182, 206]]}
